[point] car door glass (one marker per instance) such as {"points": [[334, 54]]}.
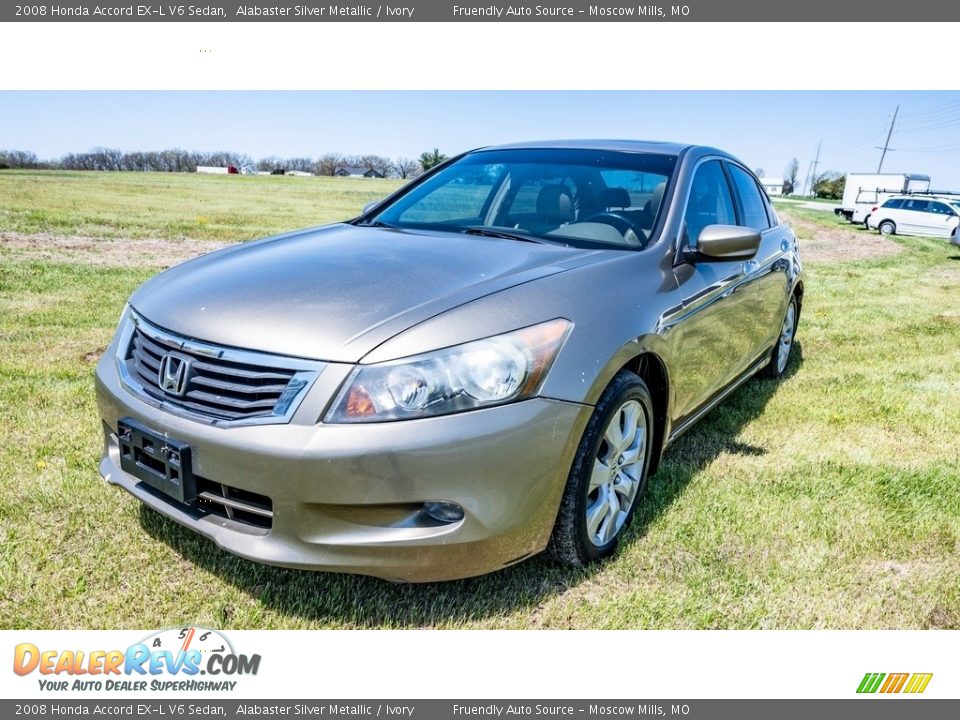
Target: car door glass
{"points": [[916, 205], [754, 212], [710, 201], [939, 209]]}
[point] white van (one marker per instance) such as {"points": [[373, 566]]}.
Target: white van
{"points": [[912, 215], [861, 191]]}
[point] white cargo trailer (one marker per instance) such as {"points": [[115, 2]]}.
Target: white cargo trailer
{"points": [[869, 189]]}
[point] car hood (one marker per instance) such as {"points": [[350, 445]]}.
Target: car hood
{"points": [[335, 293]]}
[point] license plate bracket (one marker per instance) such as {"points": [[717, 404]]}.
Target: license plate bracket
{"points": [[162, 463]]}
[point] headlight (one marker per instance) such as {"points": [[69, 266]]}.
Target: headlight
{"points": [[485, 372]]}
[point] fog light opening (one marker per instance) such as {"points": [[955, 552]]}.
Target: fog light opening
{"points": [[444, 512]]}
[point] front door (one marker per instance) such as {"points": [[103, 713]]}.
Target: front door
{"points": [[713, 334], [940, 219]]}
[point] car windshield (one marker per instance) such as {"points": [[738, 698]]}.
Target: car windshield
{"points": [[577, 197]]}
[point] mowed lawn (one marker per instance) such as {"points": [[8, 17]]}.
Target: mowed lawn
{"points": [[828, 500]]}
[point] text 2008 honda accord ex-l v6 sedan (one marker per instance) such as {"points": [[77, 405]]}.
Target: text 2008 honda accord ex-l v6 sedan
{"points": [[488, 363]]}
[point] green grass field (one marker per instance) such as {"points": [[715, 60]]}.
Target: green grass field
{"points": [[173, 206], [829, 500]]}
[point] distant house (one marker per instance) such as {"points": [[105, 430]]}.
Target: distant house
{"points": [[351, 171], [773, 186]]}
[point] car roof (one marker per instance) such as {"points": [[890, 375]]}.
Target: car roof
{"points": [[925, 196], [636, 146]]}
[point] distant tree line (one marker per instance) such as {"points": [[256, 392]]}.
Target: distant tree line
{"points": [[177, 160]]}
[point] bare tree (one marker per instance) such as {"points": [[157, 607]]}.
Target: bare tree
{"points": [[790, 176], [269, 164], [18, 159], [377, 163], [300, 164], [328, 164], [406, 168]]}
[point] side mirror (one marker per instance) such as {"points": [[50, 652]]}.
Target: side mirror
{"points": [[728, 242], [370, 206]]}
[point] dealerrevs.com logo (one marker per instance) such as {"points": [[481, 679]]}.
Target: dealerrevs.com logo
{"points": [[910, 683], [178, 659]]}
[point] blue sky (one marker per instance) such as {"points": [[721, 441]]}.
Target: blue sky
{"points": [[765, 129]]}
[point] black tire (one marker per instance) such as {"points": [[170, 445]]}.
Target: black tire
{"points": [[892, 227], [773, 369], [570, 543]]}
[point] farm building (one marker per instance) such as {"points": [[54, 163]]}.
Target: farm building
{"points": [[350, 171], [773, 186]]}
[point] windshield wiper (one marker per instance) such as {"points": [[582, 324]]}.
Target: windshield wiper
{"points": [[377, 224], [506, 234]]}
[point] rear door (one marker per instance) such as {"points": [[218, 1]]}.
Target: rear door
{"points": [[767, 271]]}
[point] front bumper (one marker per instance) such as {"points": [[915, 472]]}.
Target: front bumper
{"points": [[348, 498]]}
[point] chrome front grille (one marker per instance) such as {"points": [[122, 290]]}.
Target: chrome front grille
{"points": [[214, 387], [216, 384]]}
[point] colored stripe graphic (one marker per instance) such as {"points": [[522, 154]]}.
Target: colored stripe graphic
{"points": [[870, 682], [918, 682], [894, 683]]}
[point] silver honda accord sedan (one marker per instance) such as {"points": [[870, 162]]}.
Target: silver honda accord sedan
{"points": [[489, 363]]}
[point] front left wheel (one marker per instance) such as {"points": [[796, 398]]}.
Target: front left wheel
{"points": [[608, 476]]}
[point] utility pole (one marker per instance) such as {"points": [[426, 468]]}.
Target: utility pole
{"points": [[811, 171], [886, 145]]}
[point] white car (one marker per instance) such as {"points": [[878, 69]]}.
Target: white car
{"points": [[910, 215], [862, 211]]}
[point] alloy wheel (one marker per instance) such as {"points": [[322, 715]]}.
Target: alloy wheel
{"points": [[617, 473], [786, 337]]}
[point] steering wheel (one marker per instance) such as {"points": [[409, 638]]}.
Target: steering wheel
{"points": [[621, 224], [611, 218]]}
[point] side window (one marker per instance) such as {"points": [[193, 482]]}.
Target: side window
{"points": [[894, 204], [939, 209], [753, 209], [916, 205], [710, 201]]}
